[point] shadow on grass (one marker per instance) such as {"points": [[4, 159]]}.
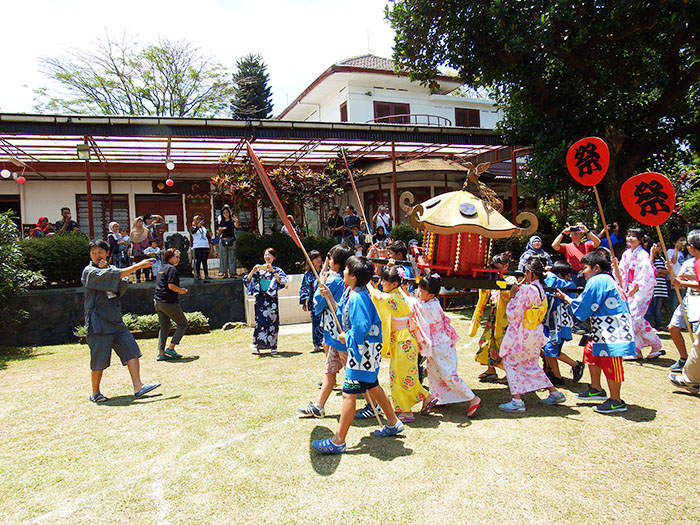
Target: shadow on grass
{"points": [[323, 464], [279, 354], [125, 401], [384, 449], [187, 359], [12, 353]]}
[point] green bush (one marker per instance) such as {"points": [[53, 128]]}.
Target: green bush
{"points": [[250, 248], [59, 258], [149, 322], [406, 232]]}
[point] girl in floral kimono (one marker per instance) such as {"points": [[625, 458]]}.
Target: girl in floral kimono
{"points": [[438, 345], [638, 282], [496, 321], [524, 339], [400, 345], [263, 282]]}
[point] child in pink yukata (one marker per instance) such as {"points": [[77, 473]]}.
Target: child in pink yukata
{"points": [[638, 282], [438, 346], [524, 340]]}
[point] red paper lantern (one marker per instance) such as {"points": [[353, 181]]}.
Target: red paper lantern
{"points": [[587, 160], [649, 198], [169, 182], [21, 179]]}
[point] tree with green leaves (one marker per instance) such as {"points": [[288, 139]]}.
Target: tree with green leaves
{"points": [[121, 77], [623, 70], [252, 97]]}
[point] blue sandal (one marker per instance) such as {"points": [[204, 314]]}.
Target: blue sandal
{"points": [[326, 446], [98, 398], [388, 431]]}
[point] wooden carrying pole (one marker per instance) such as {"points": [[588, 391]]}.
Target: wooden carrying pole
{"points": [[607, 235], [678, 292], [283, 216], [357, 195]]}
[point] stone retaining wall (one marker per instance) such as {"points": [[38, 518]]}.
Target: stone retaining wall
{"points": [[54, 313]]}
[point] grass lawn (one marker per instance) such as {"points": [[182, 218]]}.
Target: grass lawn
{"points": [[220, 442]]}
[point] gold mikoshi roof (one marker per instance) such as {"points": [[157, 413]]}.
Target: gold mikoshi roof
{"points": [[460, 211]]}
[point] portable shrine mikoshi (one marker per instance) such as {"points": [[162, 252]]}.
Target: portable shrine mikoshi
{"points": [[459, 230]]}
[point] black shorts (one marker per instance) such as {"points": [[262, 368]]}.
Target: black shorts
{"points": [[357, 387], [101, 346]]}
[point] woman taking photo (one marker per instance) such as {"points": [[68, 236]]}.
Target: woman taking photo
{"points": [[263, 282], [228, 222], [200, 245], [165, 300]]}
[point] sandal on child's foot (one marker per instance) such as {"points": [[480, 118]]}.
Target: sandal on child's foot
{"points": [[473, 408], [388, 431], [429, 405], [326, 446], [406, 417]]}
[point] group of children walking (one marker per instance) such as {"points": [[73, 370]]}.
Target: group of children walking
{"points": [[362, 323]]}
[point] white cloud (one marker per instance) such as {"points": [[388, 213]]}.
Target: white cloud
{"points": [[298, 39]]}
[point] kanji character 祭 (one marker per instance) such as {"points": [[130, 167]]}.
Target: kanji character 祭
{"points": [[587, 158], [651, 198]]}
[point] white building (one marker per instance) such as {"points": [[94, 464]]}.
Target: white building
{"points": [[367, 89]]}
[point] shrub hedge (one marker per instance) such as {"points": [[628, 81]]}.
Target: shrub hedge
{"points": [[59, 258], [149, 322], [406, 232]]}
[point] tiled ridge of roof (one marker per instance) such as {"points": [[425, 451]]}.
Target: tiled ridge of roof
{"points": [[368, 62]]}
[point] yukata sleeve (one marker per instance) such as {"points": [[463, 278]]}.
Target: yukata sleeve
{"points": [[102, 279], [252, 285], [283, 278], [583, 306], [305, 288], [644, 272], [521, 302], [361, 323]]}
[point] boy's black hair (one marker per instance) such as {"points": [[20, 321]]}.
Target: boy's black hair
{"points": [[592, 259], [313, 254], [694, 239], [431, 284], [398, 247], [561, 269], [98, 243], [391, 275], [500, 258], [536, 266], [340, 253], [361, 268], [675, 235]]}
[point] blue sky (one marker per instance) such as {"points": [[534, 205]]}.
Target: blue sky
{"points": [[298, 39]]}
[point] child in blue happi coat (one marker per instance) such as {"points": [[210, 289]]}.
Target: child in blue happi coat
{"points": [[306, 298], [558, 325], [612, 334], [336, 353], [362, 335]]}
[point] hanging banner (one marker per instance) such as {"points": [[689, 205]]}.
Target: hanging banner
{"points": [[649, 198], [587, 160]]}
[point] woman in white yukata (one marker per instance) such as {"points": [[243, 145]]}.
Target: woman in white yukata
{"points": [[524, 339], [638, 282]]}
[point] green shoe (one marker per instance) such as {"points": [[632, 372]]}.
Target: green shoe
{"points": [[172, 354], [163, 357]]}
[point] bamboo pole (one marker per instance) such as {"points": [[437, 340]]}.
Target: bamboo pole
{"points": [[607, 235]]}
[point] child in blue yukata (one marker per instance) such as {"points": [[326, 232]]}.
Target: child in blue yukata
{"points": [[306, 298], [612, 335], [558, 325], [104, 285], [336, 352], [362, 334]]}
